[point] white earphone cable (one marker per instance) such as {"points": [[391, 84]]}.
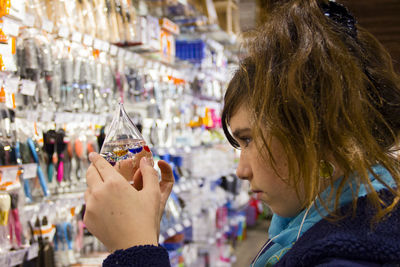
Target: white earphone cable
{"points": [[298, 234]]}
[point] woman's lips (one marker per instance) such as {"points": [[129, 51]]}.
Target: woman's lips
{"points": [[256, 191]]}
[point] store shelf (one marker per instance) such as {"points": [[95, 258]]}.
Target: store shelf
{"points": [[30, 171], [14, 258], [177, 228], [186, 185], [103, 74]]}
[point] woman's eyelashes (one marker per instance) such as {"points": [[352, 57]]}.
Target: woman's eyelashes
{"points": [[244, 141]]}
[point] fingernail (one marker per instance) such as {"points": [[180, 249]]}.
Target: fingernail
{"points": [[91, 156]]}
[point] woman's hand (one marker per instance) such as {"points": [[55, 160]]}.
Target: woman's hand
{"points": [[117, 213], [129, 166]]}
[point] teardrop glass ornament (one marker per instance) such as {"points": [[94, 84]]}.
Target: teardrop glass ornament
{"points": [[124, 145]]}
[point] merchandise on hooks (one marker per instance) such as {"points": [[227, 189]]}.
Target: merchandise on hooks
{"points": [[74, 62]]}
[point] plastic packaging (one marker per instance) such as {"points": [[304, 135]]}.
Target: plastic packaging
{"points": [[89, 17], [113, 23], [119, 13], [101, 20], [130, 18], [5, 204]]}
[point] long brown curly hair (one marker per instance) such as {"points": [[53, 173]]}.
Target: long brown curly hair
{"points": [[320, 90]]}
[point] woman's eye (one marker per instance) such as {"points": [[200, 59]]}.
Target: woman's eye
{"points": [[245, 141]]}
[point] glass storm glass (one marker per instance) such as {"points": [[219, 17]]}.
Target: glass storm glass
{"points": [[124, 145]]}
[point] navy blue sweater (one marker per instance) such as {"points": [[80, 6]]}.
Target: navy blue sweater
{"points": [[349, 242]]}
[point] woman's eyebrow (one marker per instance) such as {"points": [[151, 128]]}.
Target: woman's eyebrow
{"points": [[240, 131]]}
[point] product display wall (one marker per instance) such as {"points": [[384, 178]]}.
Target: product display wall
{"points": [[65, 66]]}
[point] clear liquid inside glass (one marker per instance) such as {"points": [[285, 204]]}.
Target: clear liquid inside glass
{"points": [[124, 146]]}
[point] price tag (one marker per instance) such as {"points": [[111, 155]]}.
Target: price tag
{"points": [[9, 62], [93, 118], [5, 50], [135, 57], [113, 50], [30, 170], [33, 251], [105, 46], [88, 117], [87, 40], [29, 20], [59, 118], [140, 61], [9, 174], [28, 87], [102, 120], [163, 69], [186, 223], [149, 64], [32, 116], [79, 118], [10, 26], [128, 56], [11, 85], [46, 116], [47, 25], [64, 117], [4, 260], [63, 32], [17, 257], [77, 37], [71, 117], [121, 53], [157, 66], [171, 232], [97, 44], [170, 71], [178, 228]]}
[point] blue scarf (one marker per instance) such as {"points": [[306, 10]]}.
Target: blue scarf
{"points": [[284, 232]]}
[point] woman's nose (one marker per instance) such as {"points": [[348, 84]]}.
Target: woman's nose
{"points": [[243, 170]]}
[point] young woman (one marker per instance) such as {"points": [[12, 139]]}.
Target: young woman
{"points": [[315, 111]]}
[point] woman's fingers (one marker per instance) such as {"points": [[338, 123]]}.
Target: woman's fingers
{"points": [[104, 168], [149, 174], [126, 168], [138, 180], [166, 183], [167, 180], [166, 172], [93, 177]]}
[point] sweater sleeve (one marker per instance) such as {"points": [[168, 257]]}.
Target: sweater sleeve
{"points": [[139, 256], [336, 262]]}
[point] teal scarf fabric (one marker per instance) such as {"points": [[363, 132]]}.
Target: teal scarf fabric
{"points": [[284, 231]]}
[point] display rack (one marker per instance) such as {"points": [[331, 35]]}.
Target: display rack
{"points": [[176, 100]]}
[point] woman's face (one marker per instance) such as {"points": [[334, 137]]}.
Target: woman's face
{"points": [[264, 181]]}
